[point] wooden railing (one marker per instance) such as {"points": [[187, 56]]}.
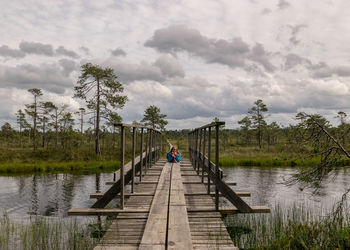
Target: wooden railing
{"points": [[199, 146], [138, 164]]}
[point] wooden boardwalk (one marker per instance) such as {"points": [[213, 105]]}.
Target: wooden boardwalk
{"points": [[172, 205], [169, 224]]}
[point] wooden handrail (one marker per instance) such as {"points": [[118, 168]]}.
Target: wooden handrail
{"points": [[145, 159], [197, 143]]}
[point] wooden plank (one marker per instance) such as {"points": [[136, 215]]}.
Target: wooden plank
{"points": [[230, 209], [179, 236], [99, 195], [154, 236], [204, 183], [241, 194], [103, 211]]}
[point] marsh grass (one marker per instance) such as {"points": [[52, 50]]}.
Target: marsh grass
{"points": [[44, 233], [58, 167], [292, 228]]}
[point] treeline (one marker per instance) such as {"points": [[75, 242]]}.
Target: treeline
{"points": [[255, 131], [43, 124]]}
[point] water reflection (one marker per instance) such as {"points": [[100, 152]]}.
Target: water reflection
{"points": [[48, 194], [55, 194], [267, 188]]}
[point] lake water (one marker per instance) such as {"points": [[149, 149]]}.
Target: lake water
{"points": [[55, 194]]}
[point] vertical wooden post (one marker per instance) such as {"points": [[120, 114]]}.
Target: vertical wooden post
{"points": [[149, 149], [216, 166], [114, 175], [133, 158], [209, 153], [195, 152], [122, 159], [203, 155], [141, 154], [152, 146], [199, 150], [158, 136], [146, 150], [161, 143]]}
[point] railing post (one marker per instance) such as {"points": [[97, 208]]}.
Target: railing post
{"points": [[195, 152], [158, 143], [149, 149], [203, 155], [216, 166], [209, 153], [122, 159], [141, 154], [146, 151], [189, 147], [152, 146], [199, 150], [133, 159]]}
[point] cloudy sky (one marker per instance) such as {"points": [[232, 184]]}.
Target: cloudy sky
{"points": [[196, 60]]}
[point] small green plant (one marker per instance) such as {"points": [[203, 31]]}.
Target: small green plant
{"points": [[48, 233], [293, 228]]}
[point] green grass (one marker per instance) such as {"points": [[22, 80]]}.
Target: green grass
{"points": [[59, 167], [292, 228], [44, 233]]}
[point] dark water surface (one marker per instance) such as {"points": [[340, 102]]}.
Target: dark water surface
{"points": [[55, 194], [267, 188], [48, 194]]}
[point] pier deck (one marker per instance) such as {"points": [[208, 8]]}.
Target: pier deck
{"points": [[168, 221]]}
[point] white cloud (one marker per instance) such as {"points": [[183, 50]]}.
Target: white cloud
{"points": [[205, 58]]}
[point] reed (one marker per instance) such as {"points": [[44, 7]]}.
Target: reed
{"points": [[45, 233], [292, 228]]}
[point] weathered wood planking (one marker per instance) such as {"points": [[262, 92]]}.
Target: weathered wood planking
{"points": [[179, 236], [154, 236], [207, 228], [127, 230]]}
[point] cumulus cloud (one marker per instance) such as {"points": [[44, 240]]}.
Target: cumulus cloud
{"points": [[233, 53], [47, 76], [8, 52], [292, 60], [68, 66], [169, 66], [36, 48], [85, 50], [295, 29], [118, 52], [283, 4], [164, 67], [65, 52], [323, 70]]}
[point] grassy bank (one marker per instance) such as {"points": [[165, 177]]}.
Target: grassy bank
{"points": [[293, 228], [274, 162], [44, 233], [58, 167]]}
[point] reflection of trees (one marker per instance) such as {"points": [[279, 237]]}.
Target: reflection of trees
{"points": [[98, 182], [266, 180], [21, 184], [34, 196]]}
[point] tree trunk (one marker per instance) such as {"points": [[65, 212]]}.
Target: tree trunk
{"points": [[56, 122], [97, 131], [43, 143], [20, 135], [34, 125]]}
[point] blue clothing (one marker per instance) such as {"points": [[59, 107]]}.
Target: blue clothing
{"points": [[171, 159]]}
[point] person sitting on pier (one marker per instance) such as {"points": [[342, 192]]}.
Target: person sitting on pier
{"points": [[174, 155]]}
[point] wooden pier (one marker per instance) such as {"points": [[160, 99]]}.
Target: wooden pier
{"points": [[172, 205]]}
